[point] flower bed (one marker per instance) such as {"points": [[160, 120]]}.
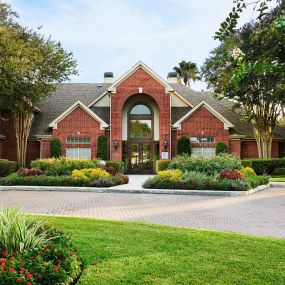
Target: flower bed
{"points": [[67, 172], [31, 253], [226, 181]]}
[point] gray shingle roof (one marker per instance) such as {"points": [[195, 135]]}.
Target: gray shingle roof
{"points": [[65, 96], [224, 107], [69, 93]]}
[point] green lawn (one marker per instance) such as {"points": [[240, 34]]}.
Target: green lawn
{"points": [[135, 253], [277, 179]]}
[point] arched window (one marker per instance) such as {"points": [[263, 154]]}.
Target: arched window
{"points": [[140, 122]]}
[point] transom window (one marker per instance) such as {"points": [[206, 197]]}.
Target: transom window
{"points": [[203, 151], [78, 152], [79, 140], [140, 109], [202, 139]]}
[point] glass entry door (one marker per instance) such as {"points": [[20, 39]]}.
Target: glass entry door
{"points": [[140, 157]]}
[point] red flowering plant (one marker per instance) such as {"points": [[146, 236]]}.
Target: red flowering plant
{"points": [[51, 262], [231, 174], [30, 172]]}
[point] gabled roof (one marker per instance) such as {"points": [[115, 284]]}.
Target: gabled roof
{"points": [[142, 65], [227, 123], [54, 123]]}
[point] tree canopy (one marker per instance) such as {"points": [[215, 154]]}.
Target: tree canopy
{"points": [[30, 67], [187, 71], [249, 69]]}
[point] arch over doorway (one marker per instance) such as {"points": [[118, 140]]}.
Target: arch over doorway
{"points": [[140, 133]]}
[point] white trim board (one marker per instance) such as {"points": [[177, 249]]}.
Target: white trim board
{"points": [[54, 123], [227, 123], [138, 65]]}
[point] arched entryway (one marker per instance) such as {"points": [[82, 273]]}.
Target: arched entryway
{"points": [[140, 134]]}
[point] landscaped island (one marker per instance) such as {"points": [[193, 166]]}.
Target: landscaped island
{"points": [[68, 172], [224, 172]]}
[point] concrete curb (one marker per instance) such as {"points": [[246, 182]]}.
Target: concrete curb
{"points": [[277, 184], [136, 191]]}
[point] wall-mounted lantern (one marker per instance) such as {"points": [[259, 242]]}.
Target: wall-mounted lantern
{"points": [[165, 144], [116, 145]]}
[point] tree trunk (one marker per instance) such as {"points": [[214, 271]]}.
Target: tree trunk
{"points": [[22, 124], [264, 141]]}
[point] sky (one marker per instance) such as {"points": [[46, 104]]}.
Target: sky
{"points": [[113, 35]]}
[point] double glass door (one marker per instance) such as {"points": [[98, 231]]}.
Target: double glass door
{"points": [[140, 157]]}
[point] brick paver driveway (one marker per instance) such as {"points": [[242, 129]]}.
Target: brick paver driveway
{"points": [[262, 213]]}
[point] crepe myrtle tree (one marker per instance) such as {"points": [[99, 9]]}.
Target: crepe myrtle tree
{"points": [[30, 68], [229, 25], [249, 70]]}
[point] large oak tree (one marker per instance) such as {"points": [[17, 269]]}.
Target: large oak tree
{"points": [[30, 68]]}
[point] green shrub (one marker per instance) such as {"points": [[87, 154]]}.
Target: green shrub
{"points": [[254, 180], [7, 167], [117, 164], [264, 166], [221, 148], [35, 254], [207, 165], [279, 171], [55, 148], [102, 147], [161, 165], [15, 179], [62, 166], [183, 146]]}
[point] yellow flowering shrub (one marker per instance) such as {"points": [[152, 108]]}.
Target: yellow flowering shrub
{"points": [[247, 170], [170, 174], [90, 173]]}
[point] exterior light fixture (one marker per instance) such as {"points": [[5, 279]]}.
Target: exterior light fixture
{"points": [[165, 144], [116, 144]]}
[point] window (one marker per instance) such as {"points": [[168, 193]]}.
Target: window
{"points": [[78, 152], [202, 139], [78, 140], [203, 151], [140, 109], [140, 129]]}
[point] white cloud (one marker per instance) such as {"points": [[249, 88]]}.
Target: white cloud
{"points": [[112, 35]]}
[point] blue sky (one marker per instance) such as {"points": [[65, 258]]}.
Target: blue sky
{"points": [[112, 35]]}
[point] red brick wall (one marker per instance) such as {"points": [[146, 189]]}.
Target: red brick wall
{"points": [[128, 88], [9, 145], [249, 149], [204, 124], [77, 124], [33, 151], [234, 147]]}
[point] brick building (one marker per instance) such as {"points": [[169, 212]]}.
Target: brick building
{"points": [[142, 115]]}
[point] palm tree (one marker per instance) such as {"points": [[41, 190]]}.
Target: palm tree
{"points": [[187, 71]]}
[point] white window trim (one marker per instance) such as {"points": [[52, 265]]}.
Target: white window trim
{"points": [[78, 152]]}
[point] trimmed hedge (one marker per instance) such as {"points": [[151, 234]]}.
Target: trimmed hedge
{"points": [[279, 171], [221, 148], [161, 165], [117, 164], [62, 166], [55, 148], [207, 165], [262, 166], [7, 167]]}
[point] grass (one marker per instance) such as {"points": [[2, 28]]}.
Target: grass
{"points": [[276, 178], [136, 253]]}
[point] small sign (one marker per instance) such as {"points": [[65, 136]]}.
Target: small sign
{"points": [[164, 155]]}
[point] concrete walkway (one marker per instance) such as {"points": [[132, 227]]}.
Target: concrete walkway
{"points": [[135, 182], [262, 213]]}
